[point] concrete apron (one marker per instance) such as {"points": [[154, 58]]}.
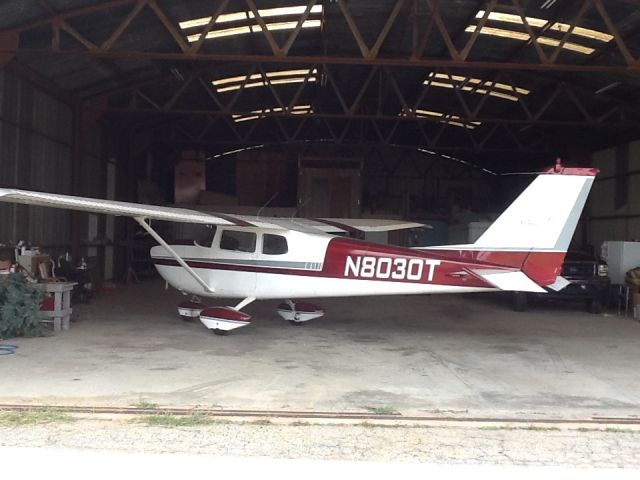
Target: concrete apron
{"points": [[449, 356]]}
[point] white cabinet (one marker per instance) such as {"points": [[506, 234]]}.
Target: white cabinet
{"points": [[621, 257]]}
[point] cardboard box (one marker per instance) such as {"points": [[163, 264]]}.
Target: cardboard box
{"points": [[632, 278]]}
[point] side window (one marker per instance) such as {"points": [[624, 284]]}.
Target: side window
{"points": [[274, 244], [238, 241], [205, 237]]}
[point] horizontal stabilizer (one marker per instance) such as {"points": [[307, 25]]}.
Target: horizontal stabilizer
{"points": [[514, 281], [559, 284]]}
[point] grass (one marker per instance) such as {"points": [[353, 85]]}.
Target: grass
{"points": [[261, 421], [163, 420], [383, 410], [193, 420], [366, 424], [621, 430], [533, 428], [34, 417], [145, 405]]}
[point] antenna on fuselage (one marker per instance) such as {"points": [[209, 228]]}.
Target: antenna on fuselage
{"points": [[298, 208], [266, 204]]}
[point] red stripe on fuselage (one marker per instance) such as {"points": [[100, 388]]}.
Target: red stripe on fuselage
{"points": [[213, 265]]}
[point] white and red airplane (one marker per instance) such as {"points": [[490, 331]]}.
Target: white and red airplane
{"points": [[255, 259]]}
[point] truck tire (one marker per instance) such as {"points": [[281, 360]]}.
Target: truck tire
{"points": [[520, 302], [594, 305]]}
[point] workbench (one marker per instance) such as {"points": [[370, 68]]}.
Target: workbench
{"points": [[60, 316]]}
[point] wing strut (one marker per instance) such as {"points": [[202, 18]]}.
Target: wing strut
{"points": [[173, 253]]}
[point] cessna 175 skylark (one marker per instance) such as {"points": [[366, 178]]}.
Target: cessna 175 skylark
{"points": [[257, 258]]}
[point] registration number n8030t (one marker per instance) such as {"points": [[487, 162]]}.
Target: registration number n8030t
{"points": [[383, 268]]}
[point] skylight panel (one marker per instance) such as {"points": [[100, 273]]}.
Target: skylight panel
{"points": [[248, 15], [281, 77], [583, 32], [500, 32], [255, 114], [449, 118], [540, 23], [227, 32], [510, 18], [251, 25], [475, 85], [514, 35]]}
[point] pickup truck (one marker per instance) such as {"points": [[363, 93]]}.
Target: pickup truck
{"points": [[589, 283]]}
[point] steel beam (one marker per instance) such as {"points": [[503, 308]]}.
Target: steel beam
{"points": [[632, 69], [358, 116]]}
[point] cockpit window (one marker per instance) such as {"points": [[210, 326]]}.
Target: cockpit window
{"points": [[205, 237], [274, 244], [238, 241]]}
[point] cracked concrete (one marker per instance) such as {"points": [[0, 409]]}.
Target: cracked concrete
{"points": [[470, 355]]}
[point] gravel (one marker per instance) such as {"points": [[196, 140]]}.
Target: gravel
{"points": [[534, 446]]}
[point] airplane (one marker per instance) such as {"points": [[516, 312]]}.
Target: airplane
{"points": [[253, 258]]}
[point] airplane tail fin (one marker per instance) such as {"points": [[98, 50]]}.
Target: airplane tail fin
{"points": [[534, 232]]}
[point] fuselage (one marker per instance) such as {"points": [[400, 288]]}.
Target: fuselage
{"points": [[261, 263]]}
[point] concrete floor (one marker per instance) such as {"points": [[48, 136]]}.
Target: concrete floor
{"points": [[458, 355]]}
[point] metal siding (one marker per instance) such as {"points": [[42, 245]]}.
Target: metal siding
{"points": [[93, 164], [35, 153]]}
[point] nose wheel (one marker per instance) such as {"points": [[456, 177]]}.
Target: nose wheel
{"points": [[189, 310]]}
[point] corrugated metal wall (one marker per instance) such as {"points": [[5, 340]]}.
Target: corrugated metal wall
{"points": [[618, 182], [36, 135]]}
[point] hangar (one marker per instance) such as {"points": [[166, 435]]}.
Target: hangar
{"points": [[429, 111]]}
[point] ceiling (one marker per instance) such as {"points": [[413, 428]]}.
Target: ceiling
{"points": [[481, 80]]}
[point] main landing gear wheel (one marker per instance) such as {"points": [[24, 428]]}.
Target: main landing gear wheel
{"points": [[297, 313], [220, 332]]}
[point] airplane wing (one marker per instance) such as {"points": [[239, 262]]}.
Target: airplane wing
{"points": [[173, 214], [342, 225]]}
